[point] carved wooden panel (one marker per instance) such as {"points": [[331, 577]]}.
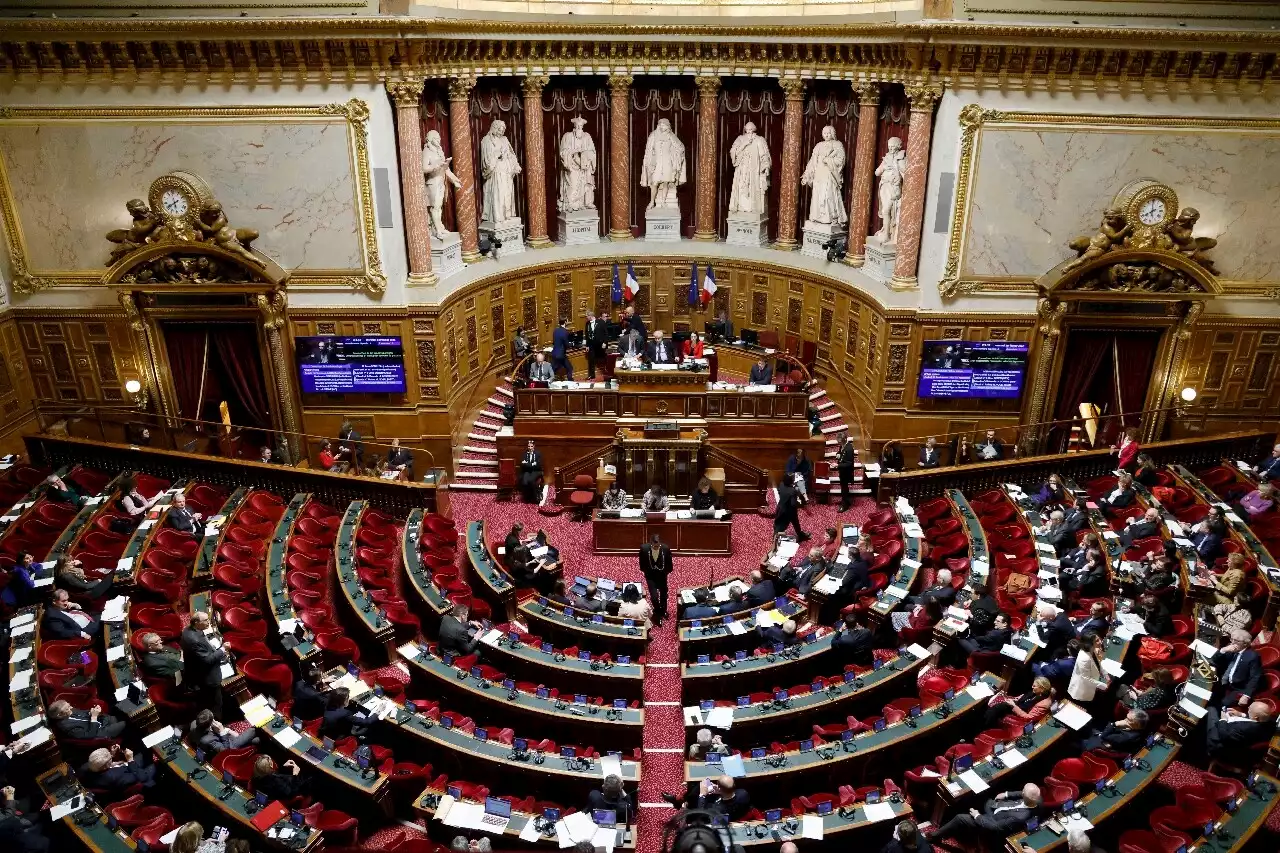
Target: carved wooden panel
{"points": [[529, 311], [759, 309], [73, 358], [794, 309], [895, 371], [825, 319], [427, 359], [497, 321], [564, 305], [473, 342]]}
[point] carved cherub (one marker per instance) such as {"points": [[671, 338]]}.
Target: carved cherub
{"points": [[226, 239], [1179, 233], [1111, 233], [212, 219], [141, 231]]}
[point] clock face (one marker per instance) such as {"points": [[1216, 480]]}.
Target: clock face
{"points": [[174, 203], [1152, 211]]}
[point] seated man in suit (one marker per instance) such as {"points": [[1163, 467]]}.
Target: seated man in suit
{"points": [[400, 459], [722, 797], [83, 725], [1268, 468], [115, 770], [942, 591], [1075, 558], [309, 697], [1232, 735], [631, 345], [339, 721], [613, 797], [590, 599], [784, 633], [64, 620], [1058, 534], [761, 373], [1121, 496], [761, 589], [807, 573], [1207, 537], [702, 608], [737, 603], [853, 642], [454, 636], [182, 519], [1142, 527], [990, 449], [660, 351], [992, 640], [1127, 735], [1239, 670], [213, 737], [159, 660], [1003, 815], [1075, 517], [1054, 627], [541, 370]]}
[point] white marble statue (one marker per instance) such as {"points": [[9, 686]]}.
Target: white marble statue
{"points": [[825, 174], [750, 157], [663, 170], [578, 163], [891, 171], [499, 168], [436, 171]]}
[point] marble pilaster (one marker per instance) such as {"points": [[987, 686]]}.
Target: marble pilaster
{"points": [[923, 98], [464, 165], [407, 97], [535, 162], [704, 174], [619, 157], [864, 169], [789, 177]]}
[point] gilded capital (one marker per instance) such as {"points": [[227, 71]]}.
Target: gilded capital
{"points": [[708, 86], [460, 87], [793, 89], [405, 93], [867, 93], [923, 96], [534, 84], [620, 83]]}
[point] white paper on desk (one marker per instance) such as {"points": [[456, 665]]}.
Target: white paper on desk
{"points": [[1192, 708], [719, 717], [610, 765], [1197, 691], [562, 835], [443, 807], [1203, 648], [25, 723], [116, 652], [877, 812], [1233, 518], [1048, 593], [913, 530], [721, 513], [1034, 636], [227, 671], [955, 788], [19, 655], [69, 807], [908, 563], [738, 628], [157, 737], [973, 781], [811, 827], [21, 681], [95, 500], [39, 582], [979, 691], [918, 651], [1045, 547], [1073, 716], [979, 566], [168, 837], [828, 585], [27, 628], [769, 617], [580, 826], [529, 832], [22, 619], [929, 774], [1050, 562], [287, 625], [1123, 633], [692, 715], [686, 597], [35, 737], [1110, 534], [1112, 667], [287, 737], [1046, 575], [491, 637], [958, 613], [672, 515], [788, 548], [1183, 543], [1075, 823], [1012, 758], [895, 592], [1016, 652], [721, 593], [408, 650], [733, 766], [842, 558], [1174, 527], [465, 816]]}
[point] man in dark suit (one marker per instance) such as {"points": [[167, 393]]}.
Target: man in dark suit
{"points": [[1054, 628], [1079, 554], [992, 640], [1143, 527], [590, 600], [309, 698], [1239, 670], [531, 474], [761, 373], [202, 662], [761, 589], [182, 519], [990, 449], [213, 737], [631, 345], [656, 566], [737, 602], [702, 607], [159, 660], [1075, 518], [350, 448], [1231, 735], [560, 349], [454, 636], [845, 458], [64, 620], [788, 512], [784, 634], [853, 642], [1268, 467], [1207, 539], [400, 459], [1128, 735], [613, 797], [929, 455], [807, 573], [720, 797], [660, 350], [1003, 815], [114, 770], [942, 591], [857, 575], [1058, 535], [634, 322], [594, 333], [83, 725]]}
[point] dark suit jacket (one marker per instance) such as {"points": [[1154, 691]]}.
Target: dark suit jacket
{"points": [[530, 466], [993, 640], [182, 520], [1004, 822], [760, 592], [1208, 545], [668, 352], [401, 456], [895, 846], [945, 595], [1140, 529], [162, 664], [730, 607], [996, 443], [853, 646], [455, 638], [203, 663], [1098, 626], [929, 457], [761, 375], [1058, 632], [116, 778], [735, 808], [57, 625], [1074, 558], [1248, 674], [591, 605], [308, 703], [1121, 740], [559, 341], [636, 324], [1269, 468], [700, 611], [774, 634], [807, 576], [595, 338], [662, 565], [1231, 741], [845, 457], [856, 577], [1122, 500], [1075, 519], [624, 808], [282, 785], [80, 727], [1062, 540]]}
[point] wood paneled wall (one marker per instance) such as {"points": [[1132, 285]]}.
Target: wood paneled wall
{"points": [[15, 385], [1235, 366]]}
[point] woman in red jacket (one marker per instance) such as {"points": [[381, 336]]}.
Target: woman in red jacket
{"points": [[1127, 449], [693, 346]]}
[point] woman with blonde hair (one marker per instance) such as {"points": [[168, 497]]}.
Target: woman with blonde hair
{"points": [[190, 839], [1228, 583], [69, 575]]}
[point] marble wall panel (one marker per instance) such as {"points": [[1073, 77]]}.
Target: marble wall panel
{"points": [[1036, 187], [292, 181]]}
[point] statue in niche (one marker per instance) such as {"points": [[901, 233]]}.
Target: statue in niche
{"points": [[140, 232], [578, 176], [891, 172], [499, 168], [1180, 239], [751, 163], [438, 174], [825, 174], [1112, 232], [663, 169]]}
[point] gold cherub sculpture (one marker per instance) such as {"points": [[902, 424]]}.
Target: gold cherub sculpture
{"points": [[1181, 240], [145, 228], [1111, 233], [212, 220]]}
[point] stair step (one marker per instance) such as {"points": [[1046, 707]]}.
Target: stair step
{"points": [[836, 428], [479, 475], [463, 486], [816, 394], [826, 404], [834, 416], [471, 448], [474, 462], [482, 436], [493, 401]]}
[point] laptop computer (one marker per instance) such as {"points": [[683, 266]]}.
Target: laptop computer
{"points": [[497, 813]]}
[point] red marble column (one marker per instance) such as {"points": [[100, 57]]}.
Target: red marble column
{"points": [[789, 179], [923, 98], [407, 97], [619, 157], [464, 165], [704, 174], [535, 162], [864, 168]]}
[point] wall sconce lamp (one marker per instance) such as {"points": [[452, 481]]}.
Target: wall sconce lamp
{"points": [[135, 388], [1188, 396]]}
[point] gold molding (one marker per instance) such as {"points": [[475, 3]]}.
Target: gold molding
{"points": [[974, 118], [355, 113]]}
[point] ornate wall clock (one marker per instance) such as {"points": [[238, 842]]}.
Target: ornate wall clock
{"points": [[1148, 206], [177, 198]]}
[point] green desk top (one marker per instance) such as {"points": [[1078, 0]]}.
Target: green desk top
{"points": [[207, 555], [748, 834], [380, 629], [124, 671], [281, 605], [908, 569], [90, 823], [492, 577], [702, 631], [415, 570], [539, 609], [1042, 738], [25, 703], [428, 800], [1234, 830], [81, 520], [368, 783], [973, 527], [617, 676], [757, 664]]}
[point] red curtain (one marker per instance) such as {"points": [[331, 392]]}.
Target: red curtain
{"points": [[1086, 352], [186, 348], [236, 348], [1136, 353]]}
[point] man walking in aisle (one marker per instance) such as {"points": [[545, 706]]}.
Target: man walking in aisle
{"points": [[656, 566]]}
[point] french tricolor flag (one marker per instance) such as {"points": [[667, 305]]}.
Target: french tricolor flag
{"points": [[708, 286], [632, 286]]}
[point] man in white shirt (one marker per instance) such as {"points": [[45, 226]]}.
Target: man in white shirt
{"points": [[540, 371], [660, 351]]}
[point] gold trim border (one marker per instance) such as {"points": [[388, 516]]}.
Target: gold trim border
{"points": [[973, 118], [354, 112]]}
